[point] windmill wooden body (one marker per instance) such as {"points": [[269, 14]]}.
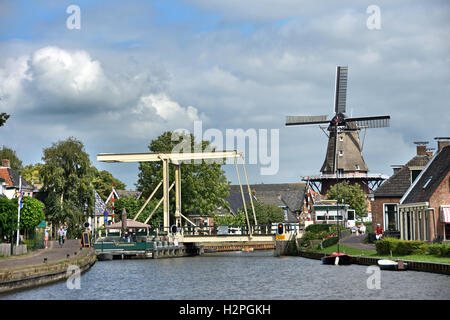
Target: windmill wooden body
{"points": [[343, 159]]}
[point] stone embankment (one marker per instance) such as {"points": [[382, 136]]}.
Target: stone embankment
{"points": [[44, 266]]}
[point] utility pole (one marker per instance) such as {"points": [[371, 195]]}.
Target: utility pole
{"points": [[18, 209]]}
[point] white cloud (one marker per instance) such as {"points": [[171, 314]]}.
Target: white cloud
{"points": [[69, 93]]}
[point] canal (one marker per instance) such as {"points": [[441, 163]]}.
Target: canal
{"points": [[238, 276]]}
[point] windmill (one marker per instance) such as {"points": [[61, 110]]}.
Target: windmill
{"points": [[344, 152]]}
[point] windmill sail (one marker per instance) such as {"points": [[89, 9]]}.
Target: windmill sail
{"points": [[299, 120], [371, 122], [340, 98]]}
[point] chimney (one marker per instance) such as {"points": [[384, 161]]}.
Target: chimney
{"points": [[421, 147], [396, 168], [442, 142], [6, 163]]}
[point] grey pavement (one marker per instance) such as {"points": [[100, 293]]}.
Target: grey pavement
{"points": [[53, 253], [357, 242]]}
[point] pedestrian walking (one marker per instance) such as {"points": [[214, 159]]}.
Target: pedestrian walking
{"points": [[46, 238], [61, 236]]}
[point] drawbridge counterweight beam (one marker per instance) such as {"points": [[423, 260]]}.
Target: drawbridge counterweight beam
{"points": [[176, 159]]}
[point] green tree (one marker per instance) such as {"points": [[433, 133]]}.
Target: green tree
{"points": [[32, 173], [352, 194], [204, 185], [31, 214], [3, 118], [228, 220], [265, 213], [14, 161], [8, 216], [67, 180], [132, 205], [103, 181]]}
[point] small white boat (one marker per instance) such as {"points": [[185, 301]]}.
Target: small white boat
{"points": [[386, 264]]}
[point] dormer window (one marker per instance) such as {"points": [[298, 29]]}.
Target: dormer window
{"points": [[341, 153], [341, 138], [357, 167], [414, 174]]}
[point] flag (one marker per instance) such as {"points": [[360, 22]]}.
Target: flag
{"points": [[19, 196]]}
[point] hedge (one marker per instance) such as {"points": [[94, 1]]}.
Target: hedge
{"points": [[315, 228], [329, 242], [400, 247], [442, 249]]}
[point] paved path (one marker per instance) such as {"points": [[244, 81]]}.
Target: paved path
{"points": [[357, 242], [53, 253]]}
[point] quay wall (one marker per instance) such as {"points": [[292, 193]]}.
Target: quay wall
{"points": [[34, 276], [433, 267]]}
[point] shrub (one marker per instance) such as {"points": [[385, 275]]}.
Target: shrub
{"points": [[308, 236], [329, 242], [316, 228], [383, 246], [439, 249], [400, 247], [434, 249]]}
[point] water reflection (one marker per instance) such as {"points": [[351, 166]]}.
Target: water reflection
{"points": [[240, 275]]}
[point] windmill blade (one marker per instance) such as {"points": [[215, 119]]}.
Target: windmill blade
{"points": [[340, 98], [371, 122], [302, 120]]}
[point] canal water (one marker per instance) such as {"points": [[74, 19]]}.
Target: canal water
{"points": [[240, 275]]}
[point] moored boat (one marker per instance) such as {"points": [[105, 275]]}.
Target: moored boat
{"points": [[337, 258], [386, 264]]}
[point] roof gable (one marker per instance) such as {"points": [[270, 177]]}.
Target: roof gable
{"points": [[400, 181], [430, 178], [12, 178]]}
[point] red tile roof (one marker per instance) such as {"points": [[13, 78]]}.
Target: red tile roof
{"points": [[4, 174]]}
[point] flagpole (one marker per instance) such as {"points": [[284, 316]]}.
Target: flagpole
{"points": [[18, 209]]}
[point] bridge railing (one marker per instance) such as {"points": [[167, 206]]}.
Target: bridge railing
{"points": [[228, 229]]}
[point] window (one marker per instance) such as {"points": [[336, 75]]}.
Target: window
{"points": [[414, 174], [341, 153], [390, 217], [356, 167], [341, 138]]}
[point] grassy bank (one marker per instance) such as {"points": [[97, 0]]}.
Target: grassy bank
{"points": [[373, 254]]}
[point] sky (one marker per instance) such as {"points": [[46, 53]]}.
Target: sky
{"points": [[134, 69]]}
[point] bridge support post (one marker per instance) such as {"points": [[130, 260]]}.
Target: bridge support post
{"points": [[166, 193], [178, 195]]}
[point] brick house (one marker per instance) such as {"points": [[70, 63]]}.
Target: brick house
{"points": [[387, 196], [10, 181], [424, 210]]}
